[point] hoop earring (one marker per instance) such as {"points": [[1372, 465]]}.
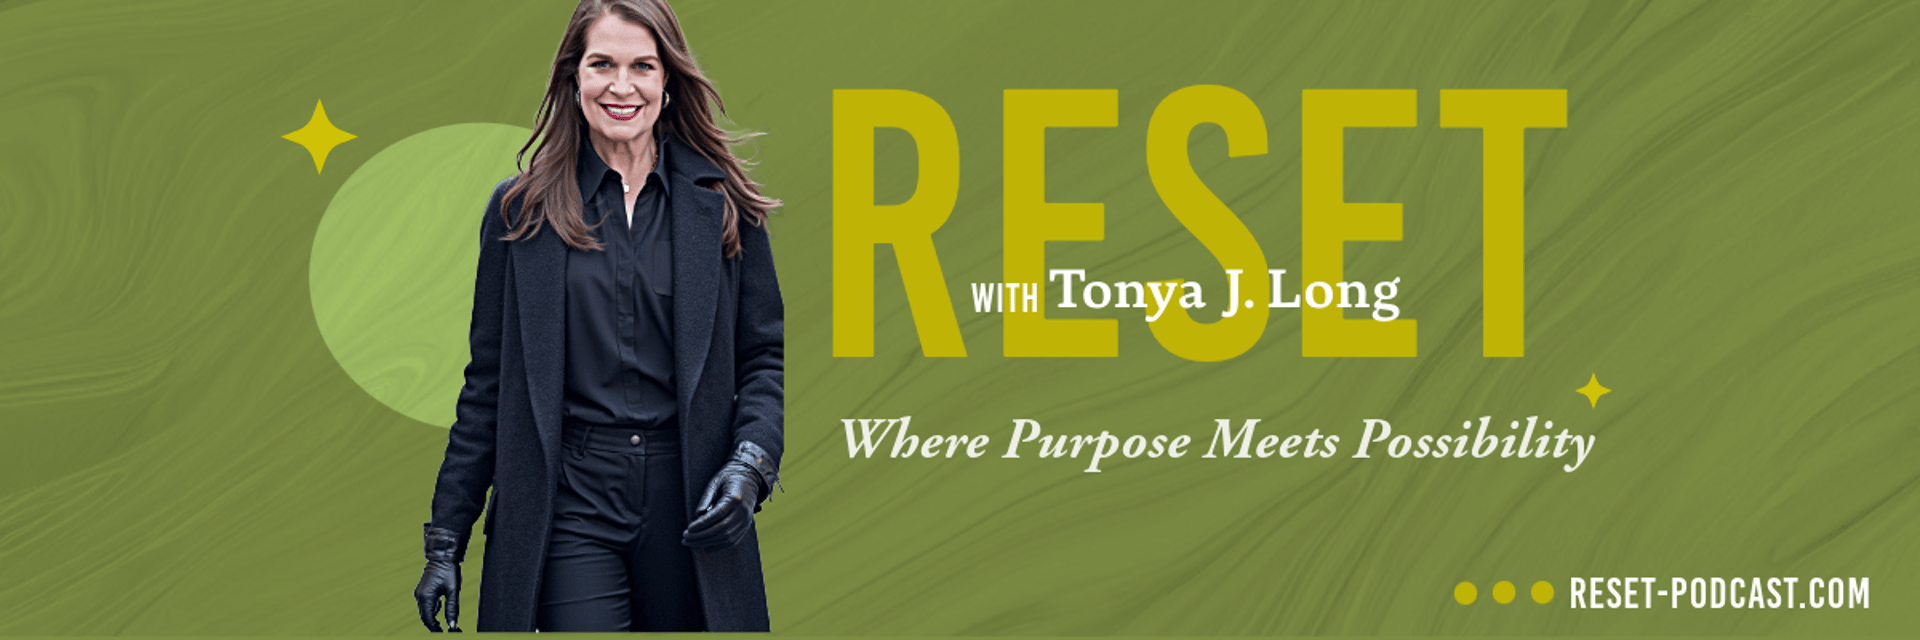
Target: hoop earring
{"points": [[665, 99]]}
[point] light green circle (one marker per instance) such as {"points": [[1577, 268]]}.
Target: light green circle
{"points": [[393, 264]]}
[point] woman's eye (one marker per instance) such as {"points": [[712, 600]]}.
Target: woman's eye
{"points": [[597, 64], [644, 66]]}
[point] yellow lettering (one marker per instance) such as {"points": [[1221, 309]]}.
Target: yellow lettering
{"points": [[1503, 116], [1327, 221], [1209, 219], [859, 224], [1030, 221]]}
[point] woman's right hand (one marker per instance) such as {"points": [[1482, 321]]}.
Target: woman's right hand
{"points": [[440, 580]]}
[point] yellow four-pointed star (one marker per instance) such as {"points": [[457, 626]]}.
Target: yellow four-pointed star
{"points": [[1593, 391], [319, 136]]}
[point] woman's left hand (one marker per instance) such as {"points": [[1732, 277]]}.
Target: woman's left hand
{"points": [[725, 511], [724, 515]]}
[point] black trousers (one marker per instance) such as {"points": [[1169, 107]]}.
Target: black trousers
{"points": [[614, 560]]}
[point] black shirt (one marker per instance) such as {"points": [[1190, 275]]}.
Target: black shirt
{"points": [[620, 301]]}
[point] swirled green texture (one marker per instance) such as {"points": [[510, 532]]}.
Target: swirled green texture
{"points": [[1723, 234]]}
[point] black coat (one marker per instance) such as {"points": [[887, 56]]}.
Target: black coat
{"points": [[728, 354]]}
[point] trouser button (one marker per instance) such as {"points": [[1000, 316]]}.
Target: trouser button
{"points": [[634, 440]]}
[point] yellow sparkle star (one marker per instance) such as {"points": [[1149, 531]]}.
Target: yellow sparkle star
{"points": [[1593, 391], [319, 136]]}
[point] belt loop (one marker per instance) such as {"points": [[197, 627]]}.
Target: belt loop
{"points": [[586, 437]]}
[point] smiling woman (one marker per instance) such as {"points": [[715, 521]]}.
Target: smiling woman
{"points": [[622, 91], [624, 400]]}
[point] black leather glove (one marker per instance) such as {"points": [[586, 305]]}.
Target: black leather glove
{"points": [[725, 511], [441, 578]]}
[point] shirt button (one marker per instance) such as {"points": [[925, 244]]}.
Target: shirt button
{"points": [[635, 440]]}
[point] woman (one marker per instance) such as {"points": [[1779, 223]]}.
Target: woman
{"points": [[624, 397]]}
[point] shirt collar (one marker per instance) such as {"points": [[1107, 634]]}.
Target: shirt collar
{"points": [[592, 170]]}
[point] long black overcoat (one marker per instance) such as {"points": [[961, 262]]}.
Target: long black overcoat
{"points": [[728, 355]]}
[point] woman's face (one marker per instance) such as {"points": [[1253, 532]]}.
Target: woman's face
{"points": [[621, 80]]}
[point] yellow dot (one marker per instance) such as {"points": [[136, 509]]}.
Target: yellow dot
{"points": [[1503, 592], [1465, 593], [1543, 592]]}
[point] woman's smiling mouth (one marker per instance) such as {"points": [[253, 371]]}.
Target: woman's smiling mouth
{"points": [[621, 112]]}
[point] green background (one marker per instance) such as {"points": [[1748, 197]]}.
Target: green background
{"points": [[1724, 234]]}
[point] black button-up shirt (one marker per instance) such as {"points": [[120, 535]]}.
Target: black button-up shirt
{"points": [[620, 301]]}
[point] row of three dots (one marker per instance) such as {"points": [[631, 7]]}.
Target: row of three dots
{"points": [[1465, 592]]}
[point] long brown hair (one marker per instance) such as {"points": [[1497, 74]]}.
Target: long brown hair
{"points": [[546, 186]]}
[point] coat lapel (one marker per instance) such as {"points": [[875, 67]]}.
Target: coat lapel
{"points": [[697, 214], [540, 280]]}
